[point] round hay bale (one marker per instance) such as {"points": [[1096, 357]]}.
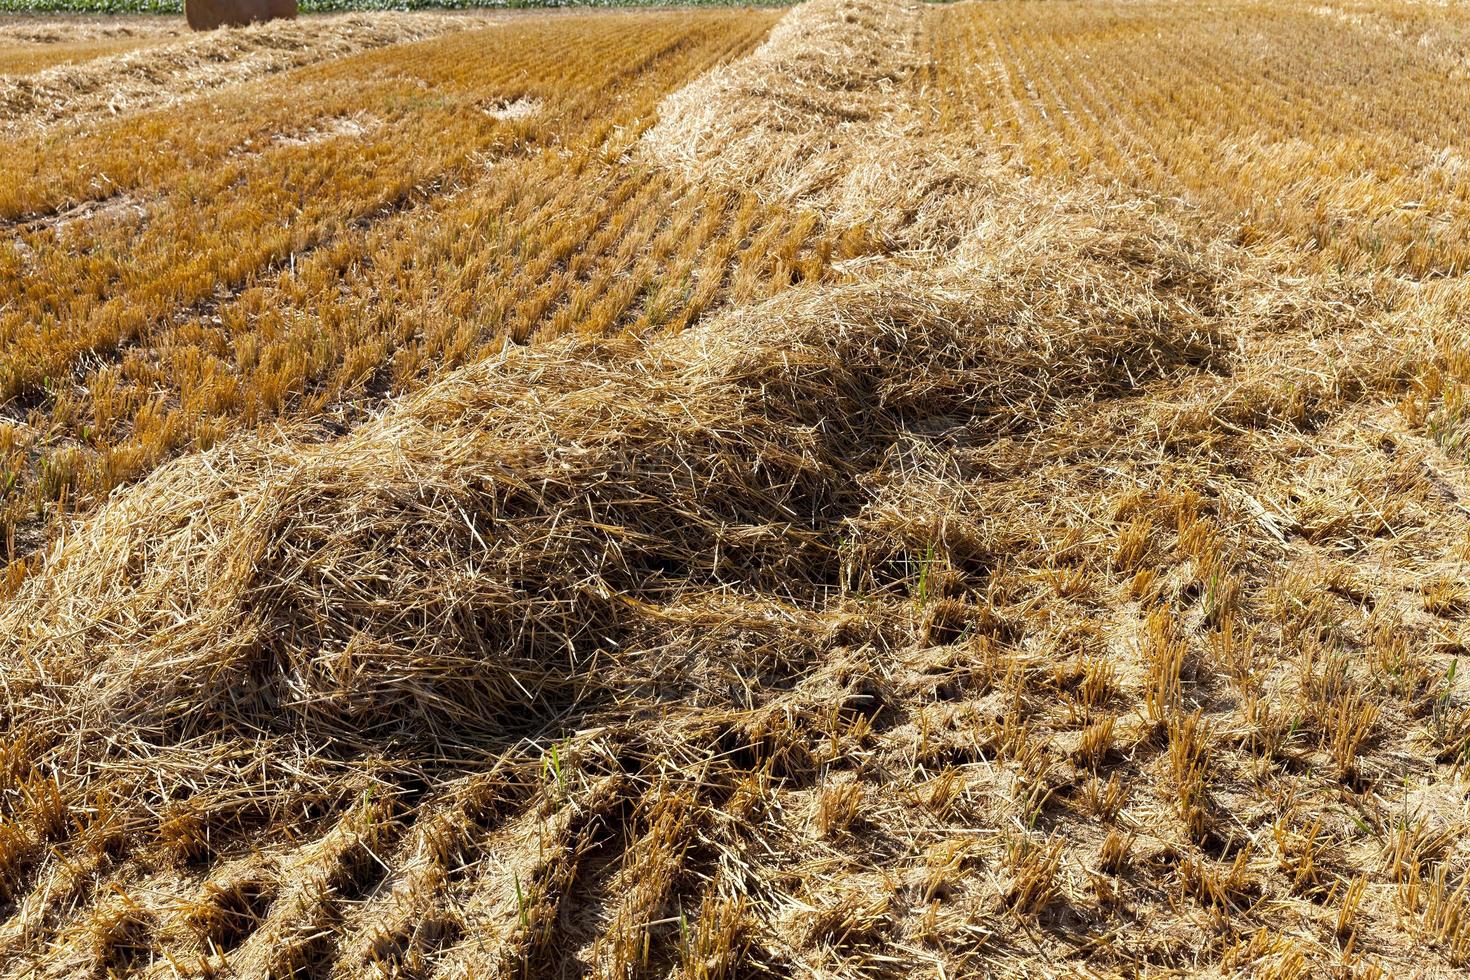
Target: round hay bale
{"points": [[206, 15]]}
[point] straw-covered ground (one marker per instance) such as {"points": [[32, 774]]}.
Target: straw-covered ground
{"points": [[66, 69], [938, 491]]}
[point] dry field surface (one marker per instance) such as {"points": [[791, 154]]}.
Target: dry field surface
{"points": [[868, 490]]}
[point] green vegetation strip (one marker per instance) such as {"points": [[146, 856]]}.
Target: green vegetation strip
{"points": [[324, 6]]}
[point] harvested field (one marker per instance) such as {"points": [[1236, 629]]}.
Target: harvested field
{"points": [[30, 44], [168, 71], [871, 490], [25, 57]]}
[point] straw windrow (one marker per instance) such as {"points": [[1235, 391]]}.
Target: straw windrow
{"points": [[179, 69]]}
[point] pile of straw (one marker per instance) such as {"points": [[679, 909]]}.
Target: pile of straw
{"points": [[812, 116], [503, 546], [180, 69], [778, 645], [583, 533]]}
